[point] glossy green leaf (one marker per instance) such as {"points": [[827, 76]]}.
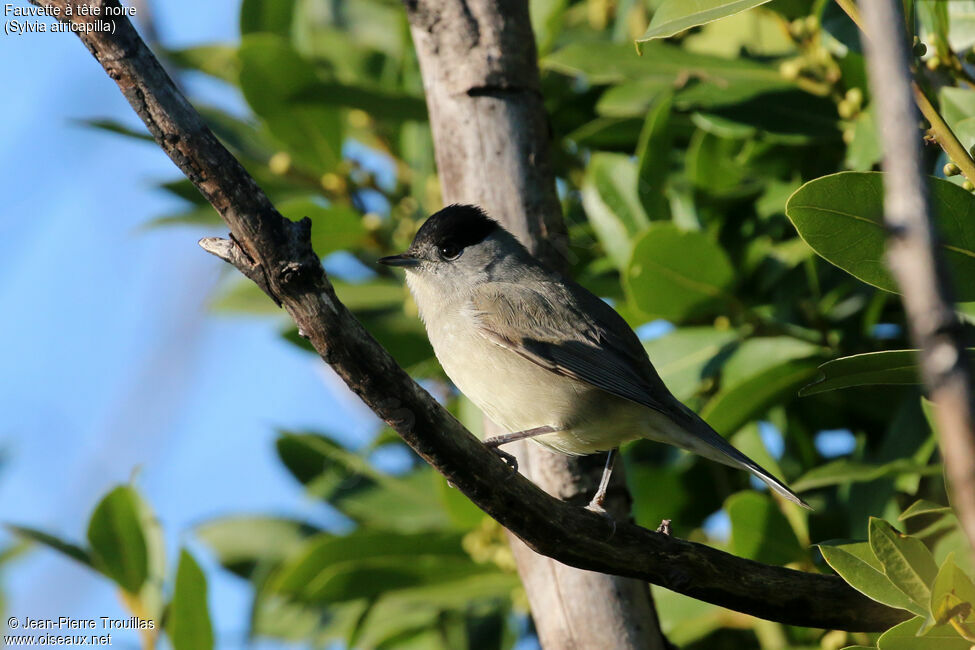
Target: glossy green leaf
{"points": [[924, 507], [274, 16], [889, 367], [904, 636], [856, 564], [677, 274], [686, 356], [188, 620], [952, 594], [841, 217], [271, 75], [759, 530], [843, 471], [756, 375], [673, 16], [609, 195], [906, 560], [663, 67], [66, 548], [117, 539], [653, 158]]}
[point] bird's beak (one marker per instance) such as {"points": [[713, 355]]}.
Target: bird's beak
{"points": [[405, 260]]}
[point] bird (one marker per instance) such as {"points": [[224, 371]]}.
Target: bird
{"points": [[542, 357]]}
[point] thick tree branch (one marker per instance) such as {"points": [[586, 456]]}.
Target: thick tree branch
{"points": [[914, 258], [277, 252]]}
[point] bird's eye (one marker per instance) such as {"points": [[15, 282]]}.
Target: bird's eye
{"points": [[450, 251]]}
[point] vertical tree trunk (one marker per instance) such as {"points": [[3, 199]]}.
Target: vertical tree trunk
{"points": [[491, 133], [914, 256]]}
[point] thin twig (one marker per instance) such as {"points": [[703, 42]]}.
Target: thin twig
{"points": [[943, 134]]}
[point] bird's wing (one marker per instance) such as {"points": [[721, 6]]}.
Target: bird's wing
{"points": [[600, 349], [572, 333]]}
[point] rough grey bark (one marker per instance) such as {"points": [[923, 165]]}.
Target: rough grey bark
{"points": [[276, 254], [491, 138], [914, 257]]}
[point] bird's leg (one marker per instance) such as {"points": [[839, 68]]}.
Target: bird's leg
{"points": [[596, 505], [505, 438]]}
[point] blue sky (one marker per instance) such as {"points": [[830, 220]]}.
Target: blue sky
{"points": [[112, 362]]}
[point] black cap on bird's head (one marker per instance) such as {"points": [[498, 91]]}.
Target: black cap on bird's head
{"points": [[445, 235]]}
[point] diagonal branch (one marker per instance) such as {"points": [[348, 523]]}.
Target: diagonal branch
{"points": [[914, 258], [277, 254]]}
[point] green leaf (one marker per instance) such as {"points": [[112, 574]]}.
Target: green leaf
{"points": [[367, 563], [864, 150], [378, 102], [677, 274], [953, 541], [72, 551], [904, 636], [759, 373], [685, 357], [790, 116], [856, 564], [714, 81], [841, 472], [674, 16], [273, 16], [336, 227], [653, 158], [924, 507], [714, 166], [271, 75], [841, 217], [889, 367], [188, 620], [349, 483], [218, 61], [759, 530], [907, 561], [114, 126], [151, 594], [461, 510], [242, 542], [952, 594], [118, 543], [957, 104], [609, 196]]}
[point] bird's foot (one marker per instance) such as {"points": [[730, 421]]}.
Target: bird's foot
{"points": [[664, 527], [506, 458]]}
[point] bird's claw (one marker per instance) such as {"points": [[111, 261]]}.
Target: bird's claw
{"points": [[664, 527], [506, 458]]}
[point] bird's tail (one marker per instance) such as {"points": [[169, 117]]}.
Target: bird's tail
{"points": [[701, 439]]}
